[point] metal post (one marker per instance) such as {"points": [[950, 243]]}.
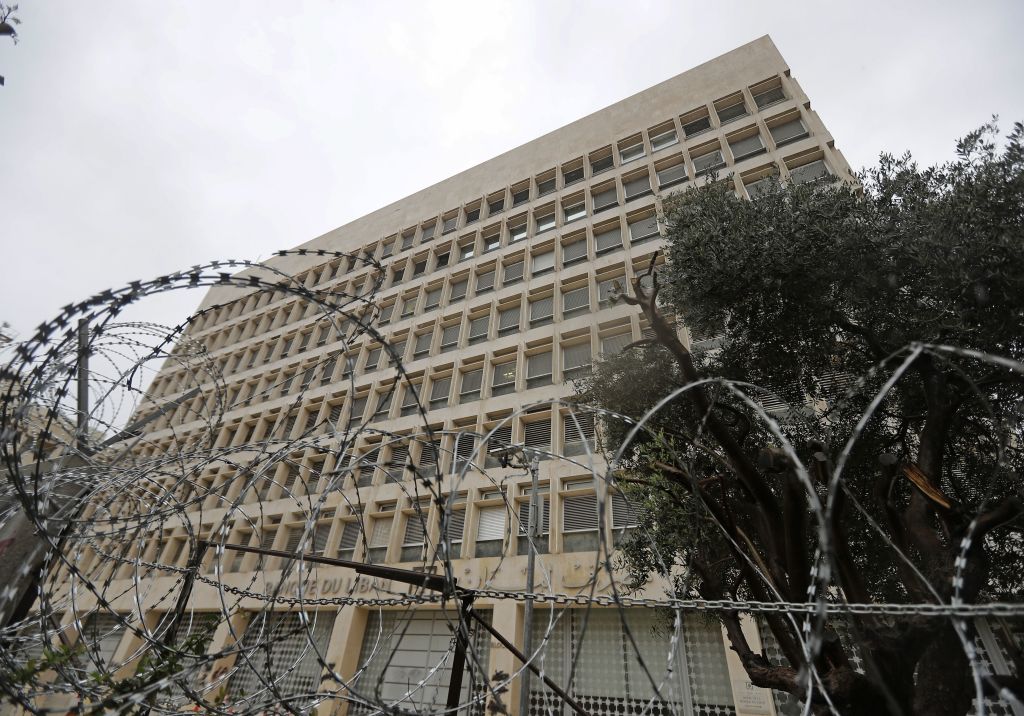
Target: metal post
{"points": [[534, 524], [459, 657], [83, 384]]}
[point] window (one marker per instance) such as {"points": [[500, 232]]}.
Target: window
{"points": [[504, 380], [296, 643], [409, 305], [359, 407], [788, 132], [422, 345], [442, 259], [490, 531], [347, 541], [538, 369], [500, 438], [662, 137], [397, 351], [397, 462], [492, 242], [439, 391], [372, 359], [546, 222], [541, 311], [419, 268], [809, 172], [458, 291], [453, 525], [495, 204], [410, 401], [383, 404], [467, 250], [577, 433], [606, 291], [484, 282], [613, 345], [508, 320], [430, 458], [574, 250], [609, 239], [450, 337], [433, 298], [478, 328], [407, 239], [472, 215], [636, 186], [643, 229], [696, 126], [709, 161], [671, 174], [543, 262], [464, 449], [537, 436], [746, 147], [471, 382], [380, 534], [572, 172], [575, 360], [602, 163], [517, 230], [632, 151], [428, 231], [579, 520], [513, 273], [546, 186], [412, 540], [542, 521], [575, 301], [760, 186], [520, 194], [575, 208], [767, 97], [731, 112], [605, 198]]}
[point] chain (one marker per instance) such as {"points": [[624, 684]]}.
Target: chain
{"points": [[968, 611], [731, 605]]}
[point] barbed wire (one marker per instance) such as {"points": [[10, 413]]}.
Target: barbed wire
{"points": [[130, 610]]}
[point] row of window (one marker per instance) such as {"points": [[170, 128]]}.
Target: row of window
{"points": [[543, 304], [482, 324], [416, 529], [641, 225], [784, 128], [475, 379], [578, 247]]}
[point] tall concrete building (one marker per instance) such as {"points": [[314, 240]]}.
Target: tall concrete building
{"points": [[495, 296]]}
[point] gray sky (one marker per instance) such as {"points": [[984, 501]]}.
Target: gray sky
{"points": [[142, 137]]}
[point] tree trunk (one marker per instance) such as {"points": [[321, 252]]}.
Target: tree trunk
{"points": [[943, 678]]}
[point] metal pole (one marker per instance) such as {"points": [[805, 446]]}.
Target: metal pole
{"points": [[459, 658], [533, 530], [83, 384]]}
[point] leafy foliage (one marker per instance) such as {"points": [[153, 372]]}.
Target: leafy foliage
{"points": [[814, 293]]}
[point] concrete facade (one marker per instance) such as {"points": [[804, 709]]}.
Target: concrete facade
{"points": [[496, 292]]}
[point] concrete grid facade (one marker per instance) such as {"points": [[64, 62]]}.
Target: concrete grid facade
{"points": [[496, 296]]}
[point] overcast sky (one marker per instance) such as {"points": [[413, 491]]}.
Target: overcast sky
{"points": [[143, 137]]}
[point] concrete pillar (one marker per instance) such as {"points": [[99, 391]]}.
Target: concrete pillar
{"points": [[507, 619], [343, 652]]}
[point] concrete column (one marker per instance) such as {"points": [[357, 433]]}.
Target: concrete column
{"points": [[343, 652], [507, 619]]}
